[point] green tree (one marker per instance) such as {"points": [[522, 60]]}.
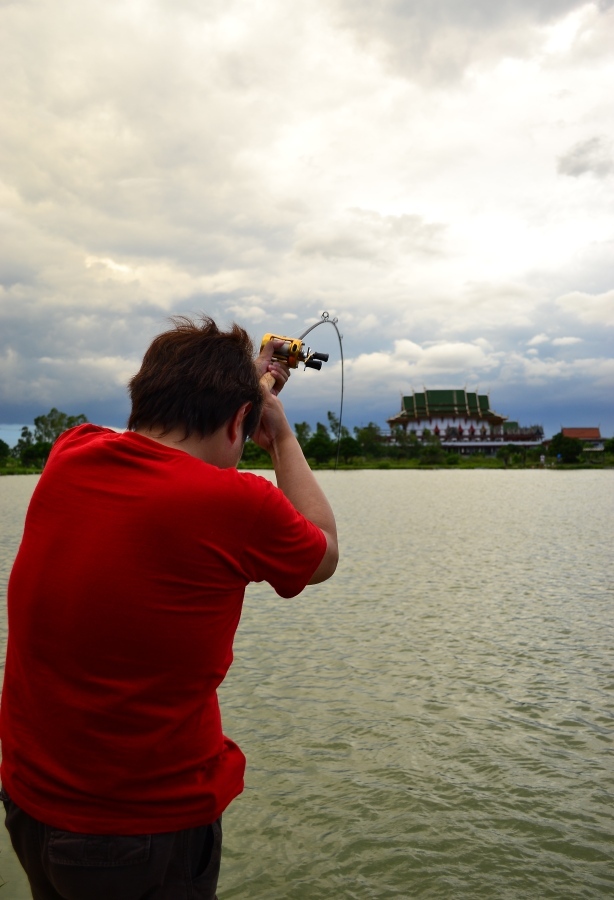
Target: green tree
{"points": [[348, 446], [432, 453], [303, 433], [406, 443], [5, 450], [33, 448], [254, 456], [505, 453], [36, 455], [334, 425], [566, 449], [369, 439], [48, 428], [26, 440], [320, 445]]}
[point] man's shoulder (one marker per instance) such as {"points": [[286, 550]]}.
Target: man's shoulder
{"points": [[85, 432], [255, 488]]}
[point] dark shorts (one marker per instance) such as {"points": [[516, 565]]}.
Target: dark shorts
{"points": [[63, 865]]}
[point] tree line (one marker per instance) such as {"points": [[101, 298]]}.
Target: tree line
{"points": [[369, 444], [319, 445], [322, 445], [34, 445]]}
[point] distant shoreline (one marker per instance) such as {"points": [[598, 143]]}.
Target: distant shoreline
{"points": [[382, 467]]}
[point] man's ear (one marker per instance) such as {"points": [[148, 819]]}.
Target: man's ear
{"points": [[235, 424]]}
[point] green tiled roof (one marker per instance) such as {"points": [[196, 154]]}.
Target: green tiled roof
{"points": [[447, 403], [473, 403], [484, 403]]}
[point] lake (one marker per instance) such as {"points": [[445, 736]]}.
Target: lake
{"points": [[437, 721]]}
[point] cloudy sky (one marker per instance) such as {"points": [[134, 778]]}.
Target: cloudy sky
{"points": [[439, 176]]}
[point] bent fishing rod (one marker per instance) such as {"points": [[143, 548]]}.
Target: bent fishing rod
{"points": [[293, 351]]}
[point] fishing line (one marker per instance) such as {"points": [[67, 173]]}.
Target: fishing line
{"points": [[326, 320], [292, 351]]}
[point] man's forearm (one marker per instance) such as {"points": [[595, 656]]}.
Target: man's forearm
{"points": [[297, 481]]}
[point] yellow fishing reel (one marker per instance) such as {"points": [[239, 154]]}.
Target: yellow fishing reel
{"points": [[294, 351]]}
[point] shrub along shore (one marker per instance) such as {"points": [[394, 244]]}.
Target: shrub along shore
{"points": [[331, 446], [468, 462]]}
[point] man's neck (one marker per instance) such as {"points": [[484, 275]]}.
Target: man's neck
{"points": [[210, 449]]}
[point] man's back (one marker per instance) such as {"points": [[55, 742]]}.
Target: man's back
{"points": [[123, 604]]}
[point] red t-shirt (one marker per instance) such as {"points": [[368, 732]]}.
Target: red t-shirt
{"points": [[123, 604]]}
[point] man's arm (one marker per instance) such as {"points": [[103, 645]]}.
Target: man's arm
{"points": [[298, 483], [295, 478]]}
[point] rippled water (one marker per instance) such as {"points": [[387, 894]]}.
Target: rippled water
{"points": [[438, 720]]}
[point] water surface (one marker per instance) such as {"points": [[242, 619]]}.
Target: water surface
{"points": [[438, 720]]}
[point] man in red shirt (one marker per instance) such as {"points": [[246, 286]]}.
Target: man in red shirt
{"points": [[123, 604]]}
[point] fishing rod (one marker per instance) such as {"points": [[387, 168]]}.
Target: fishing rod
{"points": [[293, 351]]}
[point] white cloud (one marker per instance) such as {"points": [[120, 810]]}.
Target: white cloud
{"points": [[566, 341], [409, 364], [536, 371], [248, 309], [594, 309], [392, 163]]}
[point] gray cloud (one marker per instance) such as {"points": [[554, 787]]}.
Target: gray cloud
{"points": [[436, 42], [234, 159], [594, 156], [366, 235]]}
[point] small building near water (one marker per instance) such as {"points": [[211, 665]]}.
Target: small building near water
{"points": [[586, 435], [463, 421], [590, 437]]}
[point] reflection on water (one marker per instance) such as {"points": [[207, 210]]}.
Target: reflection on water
{"points": [[436, 721], [15, 493]]}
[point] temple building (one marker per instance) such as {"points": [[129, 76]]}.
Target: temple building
{"points": [[463, 421], [590, 437]]}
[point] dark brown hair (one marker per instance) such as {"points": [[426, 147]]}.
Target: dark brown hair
{"points": [[195, 377]]}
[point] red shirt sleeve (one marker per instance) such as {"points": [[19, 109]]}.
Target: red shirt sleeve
{"points": [[284, 548]]}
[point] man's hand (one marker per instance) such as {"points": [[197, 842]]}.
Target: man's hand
{"points": [[294, 477], [273, 425], [265, 363]]}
